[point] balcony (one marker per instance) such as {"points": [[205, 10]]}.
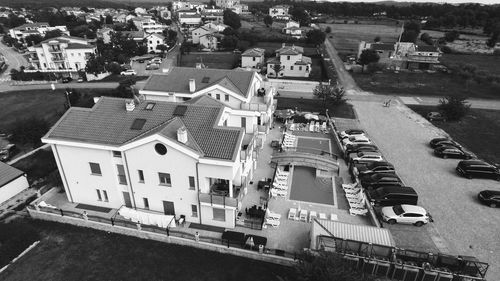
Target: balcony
{"points": [[57, 59], [213, 199], [260, 102]]}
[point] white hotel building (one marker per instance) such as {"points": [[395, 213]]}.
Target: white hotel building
{"points": [[188, 159]]}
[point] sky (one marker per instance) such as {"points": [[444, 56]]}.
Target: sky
{"points": [[427, 1]]}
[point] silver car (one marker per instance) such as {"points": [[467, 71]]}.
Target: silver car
{"points": [[406, 214]]}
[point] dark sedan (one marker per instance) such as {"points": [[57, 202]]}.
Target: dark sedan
{"points": [[452, 152], [373, 181], [372, 168], [490, 198], [353, 148], [446, 143], [433, 142]]}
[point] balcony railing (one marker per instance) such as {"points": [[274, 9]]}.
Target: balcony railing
{"points": [[213, 199]]}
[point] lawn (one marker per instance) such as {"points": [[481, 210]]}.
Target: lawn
{"points": [[314, 105], [211, 60], [71, 253], [478, 132], [487, 63], [38, 165], [424, 84]]}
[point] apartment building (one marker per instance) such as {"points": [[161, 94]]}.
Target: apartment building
{"points": [[38, 28], [280, 12], [65, 53]]}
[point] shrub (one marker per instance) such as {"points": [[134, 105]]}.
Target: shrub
{"points": [[496, 52], [451, 36], [114, 68], [328, 29], [454, 107], [375, 66], [15, 237], [446, 50]]}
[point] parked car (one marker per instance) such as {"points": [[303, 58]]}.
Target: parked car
{"points": [[435, 116], [364, 169], [356, 140], [66, 79], [392, 195], [406, 214], [152, 66], [366, 157], [446, 143], [434, 141], [352, 148], [351, 132], [477, 169], [7, 151], [128, 72], [376, 180], [80, 80], [155, 60], [490, 198], [452, 152]]}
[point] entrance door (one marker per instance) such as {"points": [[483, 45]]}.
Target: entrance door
{"points": [[168, 208], [126, 198]]}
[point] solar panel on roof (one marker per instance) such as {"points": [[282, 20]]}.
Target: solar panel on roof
{"points": [[205, 79], [180, 110], [138, 124]]}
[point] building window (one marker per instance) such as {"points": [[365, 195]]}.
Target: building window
{"points": [[165, 179], [122, 179], [72, 54], [217, 96], [219, 214], [291, 67], [105, 194], [288, 57], [160, 149], [141, 175], [226, 97], [117, 154], [253, 58], [95, 169], [79, 54], [99, 198], [243, 122], [209, 94], [192, 185], [146, 203], [300, 67], [194, 211]]}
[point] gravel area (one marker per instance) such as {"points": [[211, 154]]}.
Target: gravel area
{"points": [[462, 225]]}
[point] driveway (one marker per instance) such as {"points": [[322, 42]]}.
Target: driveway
{"points": [[462, 225], [13, 59]]}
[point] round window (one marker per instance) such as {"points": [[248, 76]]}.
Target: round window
{"points": [[160, 149]]}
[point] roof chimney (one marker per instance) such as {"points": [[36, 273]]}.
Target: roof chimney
{"points": [[192, 85], [283, 45], [130, 105], [182, 134]]}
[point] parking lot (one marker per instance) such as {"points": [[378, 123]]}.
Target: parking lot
{"points": [[141, 70], [461, 225]]}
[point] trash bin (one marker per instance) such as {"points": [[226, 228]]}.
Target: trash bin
{"points": [[261, 249], [197, 236]]}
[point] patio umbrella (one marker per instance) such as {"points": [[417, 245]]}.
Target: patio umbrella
{"points": [[250, 242]]}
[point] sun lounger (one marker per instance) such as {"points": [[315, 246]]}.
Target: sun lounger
{"points": [[355, 212], [360, 198], [292, 214], [311, 126], [334, 217], [353, 192], [322, 216], [323, 126], [272, 222], [278, 193], [303, 215], [350, 186], [280, 186], [312, 215], [271, 215], [280, 172]]}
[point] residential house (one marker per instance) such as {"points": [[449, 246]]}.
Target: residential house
{"points": [[219, 27], [189, 18], [12, 182], [293, 28], [253, 58], [211, 41], [404, 55], [142, 22], [209, 28], [153, 41], [39, 28], [137, 36], [177, 159], [105, 34], [227, 4], [213, 15], [292, 62], [241, 91], [62, 54], [280, 12]]}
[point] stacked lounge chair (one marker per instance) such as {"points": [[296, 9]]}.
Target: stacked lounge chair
{"points": [[356, 199]]}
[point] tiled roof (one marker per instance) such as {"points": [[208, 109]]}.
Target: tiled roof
{"points": [[35, 25], [157, 35], [79, 46], [382, 47], [190, 16], [177, 80], [205, 100], [255, 52], [305, 60], [290, 50], [8, 174], [425, 48], [108, 123]]}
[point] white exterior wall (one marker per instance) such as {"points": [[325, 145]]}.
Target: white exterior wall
{"points": [[12, 188], [76, 58], [250, 62], [180, 167], [209, 42], [207, 217], [153, 42], [82, 184], [190, 21], [197, 33]]}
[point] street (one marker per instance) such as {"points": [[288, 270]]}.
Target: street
{"points": [[13, 59]]}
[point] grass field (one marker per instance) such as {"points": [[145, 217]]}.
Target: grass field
{"points": [[477, 132], [424, 84], [487, 63], [211, 60], [315, 105], [346, 37], [71, 253]]}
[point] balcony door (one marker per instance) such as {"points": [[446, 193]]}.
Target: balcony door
{"points": [[168, 208], [126, 199]]}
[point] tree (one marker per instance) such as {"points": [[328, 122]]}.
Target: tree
{"points": [[328, 29], [95, 64], [454, 107], [277, 69], [125, 88], [232, 19], [495, 34], [326, 266], [427, 39], [30, 130], [411, 32], [109, 19], [229, 42], [329, 93], [33, 39], [377, 39], [114, 68], [268, 20], [52, 34], [162, 48], [211, 3], [451, 36], [368, 56], [315, 36], [301, 15]]}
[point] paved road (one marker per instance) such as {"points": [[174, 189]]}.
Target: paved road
{"points": [[462, 225], [12, 58], [97, 85]]}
